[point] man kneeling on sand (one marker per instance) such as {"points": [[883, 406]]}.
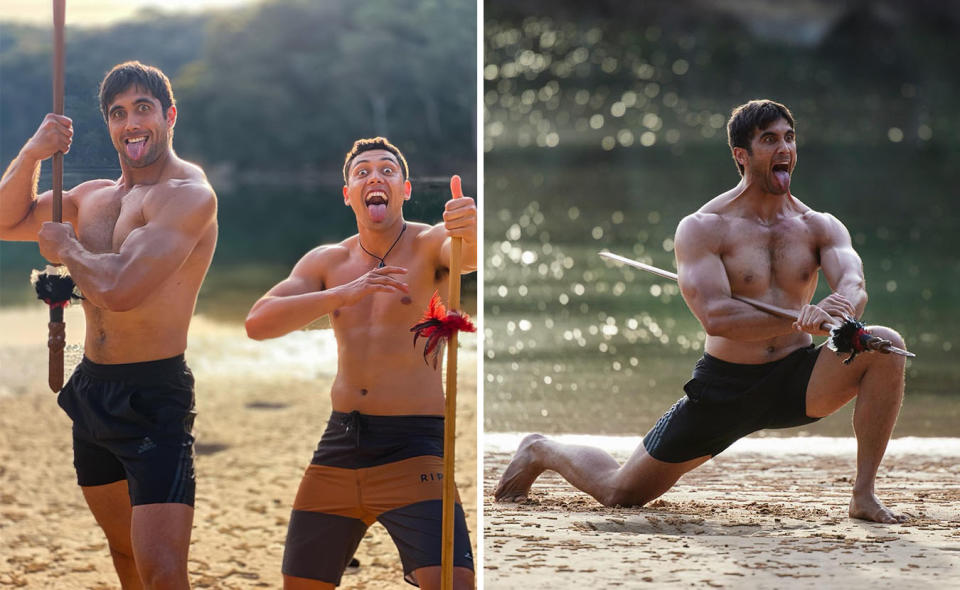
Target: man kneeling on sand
{"points": [[380, 457], [758, 371]]}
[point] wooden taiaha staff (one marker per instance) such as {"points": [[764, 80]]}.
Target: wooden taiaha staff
{"points": [[450, 412], [53, 285], [438, 326], [59, 17], [847, 337]]}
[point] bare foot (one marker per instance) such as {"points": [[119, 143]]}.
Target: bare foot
{"points": [[868, 507], [520, 474]]}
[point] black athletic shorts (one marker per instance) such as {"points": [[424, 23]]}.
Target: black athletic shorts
{"points": [[366, 469], [727, 401], [134, 421]]}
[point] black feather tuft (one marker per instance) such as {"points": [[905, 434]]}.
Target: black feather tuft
{"points": [[55, 286], [849, 337]]}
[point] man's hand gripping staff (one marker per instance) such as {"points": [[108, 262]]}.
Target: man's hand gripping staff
{"points": [[849, 336]]}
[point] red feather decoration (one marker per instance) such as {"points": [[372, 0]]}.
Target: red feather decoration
{"points": [[436, 326]]}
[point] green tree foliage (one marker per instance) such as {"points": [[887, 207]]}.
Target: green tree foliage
{"points": [[279, 86]]}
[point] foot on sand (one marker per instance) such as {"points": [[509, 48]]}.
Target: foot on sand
{"points": [[868, 507], [520, 474]]}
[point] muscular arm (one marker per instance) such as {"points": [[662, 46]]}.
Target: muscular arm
{"points": [[706, 287], [149, 255], [302, 297], [841, 264], [294, 302], [21, 210]]}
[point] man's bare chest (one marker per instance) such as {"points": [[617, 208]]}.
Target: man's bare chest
{"points": [[107, 216], [421, 279], [758, 258]]}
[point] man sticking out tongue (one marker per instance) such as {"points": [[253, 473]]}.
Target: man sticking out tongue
{"points": [[376, 201], [380, 458], [138, 247], [135, 147], [758, 371]]}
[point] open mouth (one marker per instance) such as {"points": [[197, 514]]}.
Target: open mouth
{"points": [[376, 198], [135, 146], [376, 202], [781, 174]]}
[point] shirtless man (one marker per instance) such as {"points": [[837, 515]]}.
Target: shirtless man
{"points": [[758, 371], [381, 455], [142, 246]]}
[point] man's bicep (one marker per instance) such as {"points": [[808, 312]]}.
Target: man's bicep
{"points": [[41, 210], [839, 261], [700, 270], [703, 280], [155, 250], [304, 278], [307, 275], [290, 286]]}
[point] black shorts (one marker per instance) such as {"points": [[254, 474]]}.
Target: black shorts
{"points": [[366, 469], [134, 421], [727, 401]]}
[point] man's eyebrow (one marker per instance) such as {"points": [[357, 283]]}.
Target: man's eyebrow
{"points": [[767, 132], [358, 161], [140, 100]]}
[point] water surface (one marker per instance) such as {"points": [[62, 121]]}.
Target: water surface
{"points": [[577, 344]]}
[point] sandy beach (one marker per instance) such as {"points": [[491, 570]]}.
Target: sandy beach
{"points": [[754, 517], [261, 407]]}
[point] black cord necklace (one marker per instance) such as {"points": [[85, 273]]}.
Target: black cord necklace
{"points": [[383, 258]]}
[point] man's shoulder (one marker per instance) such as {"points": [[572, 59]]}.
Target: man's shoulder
{"points": [[91, 186], [423, 230], [313, 264], [701, 221], [188, 189], [704, 228], [181, 197], [185, 186], [186, 180], [810, 215], [189, 180], [330, 253], [823, 225], [427, 237]]}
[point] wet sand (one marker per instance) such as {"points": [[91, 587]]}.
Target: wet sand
{"points": [[742, 520], [256, 431]]}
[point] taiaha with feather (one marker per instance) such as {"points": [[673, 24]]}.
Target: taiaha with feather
{"points": [[439, 327], [436, 326], [54, 285]]}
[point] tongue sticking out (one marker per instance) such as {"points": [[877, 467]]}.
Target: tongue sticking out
{"points": [[378, 211], [135, 149], [782, 181]]}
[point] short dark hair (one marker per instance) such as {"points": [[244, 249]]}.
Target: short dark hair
{"points": [[747, 118], [373, 143], [133, 73]]}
